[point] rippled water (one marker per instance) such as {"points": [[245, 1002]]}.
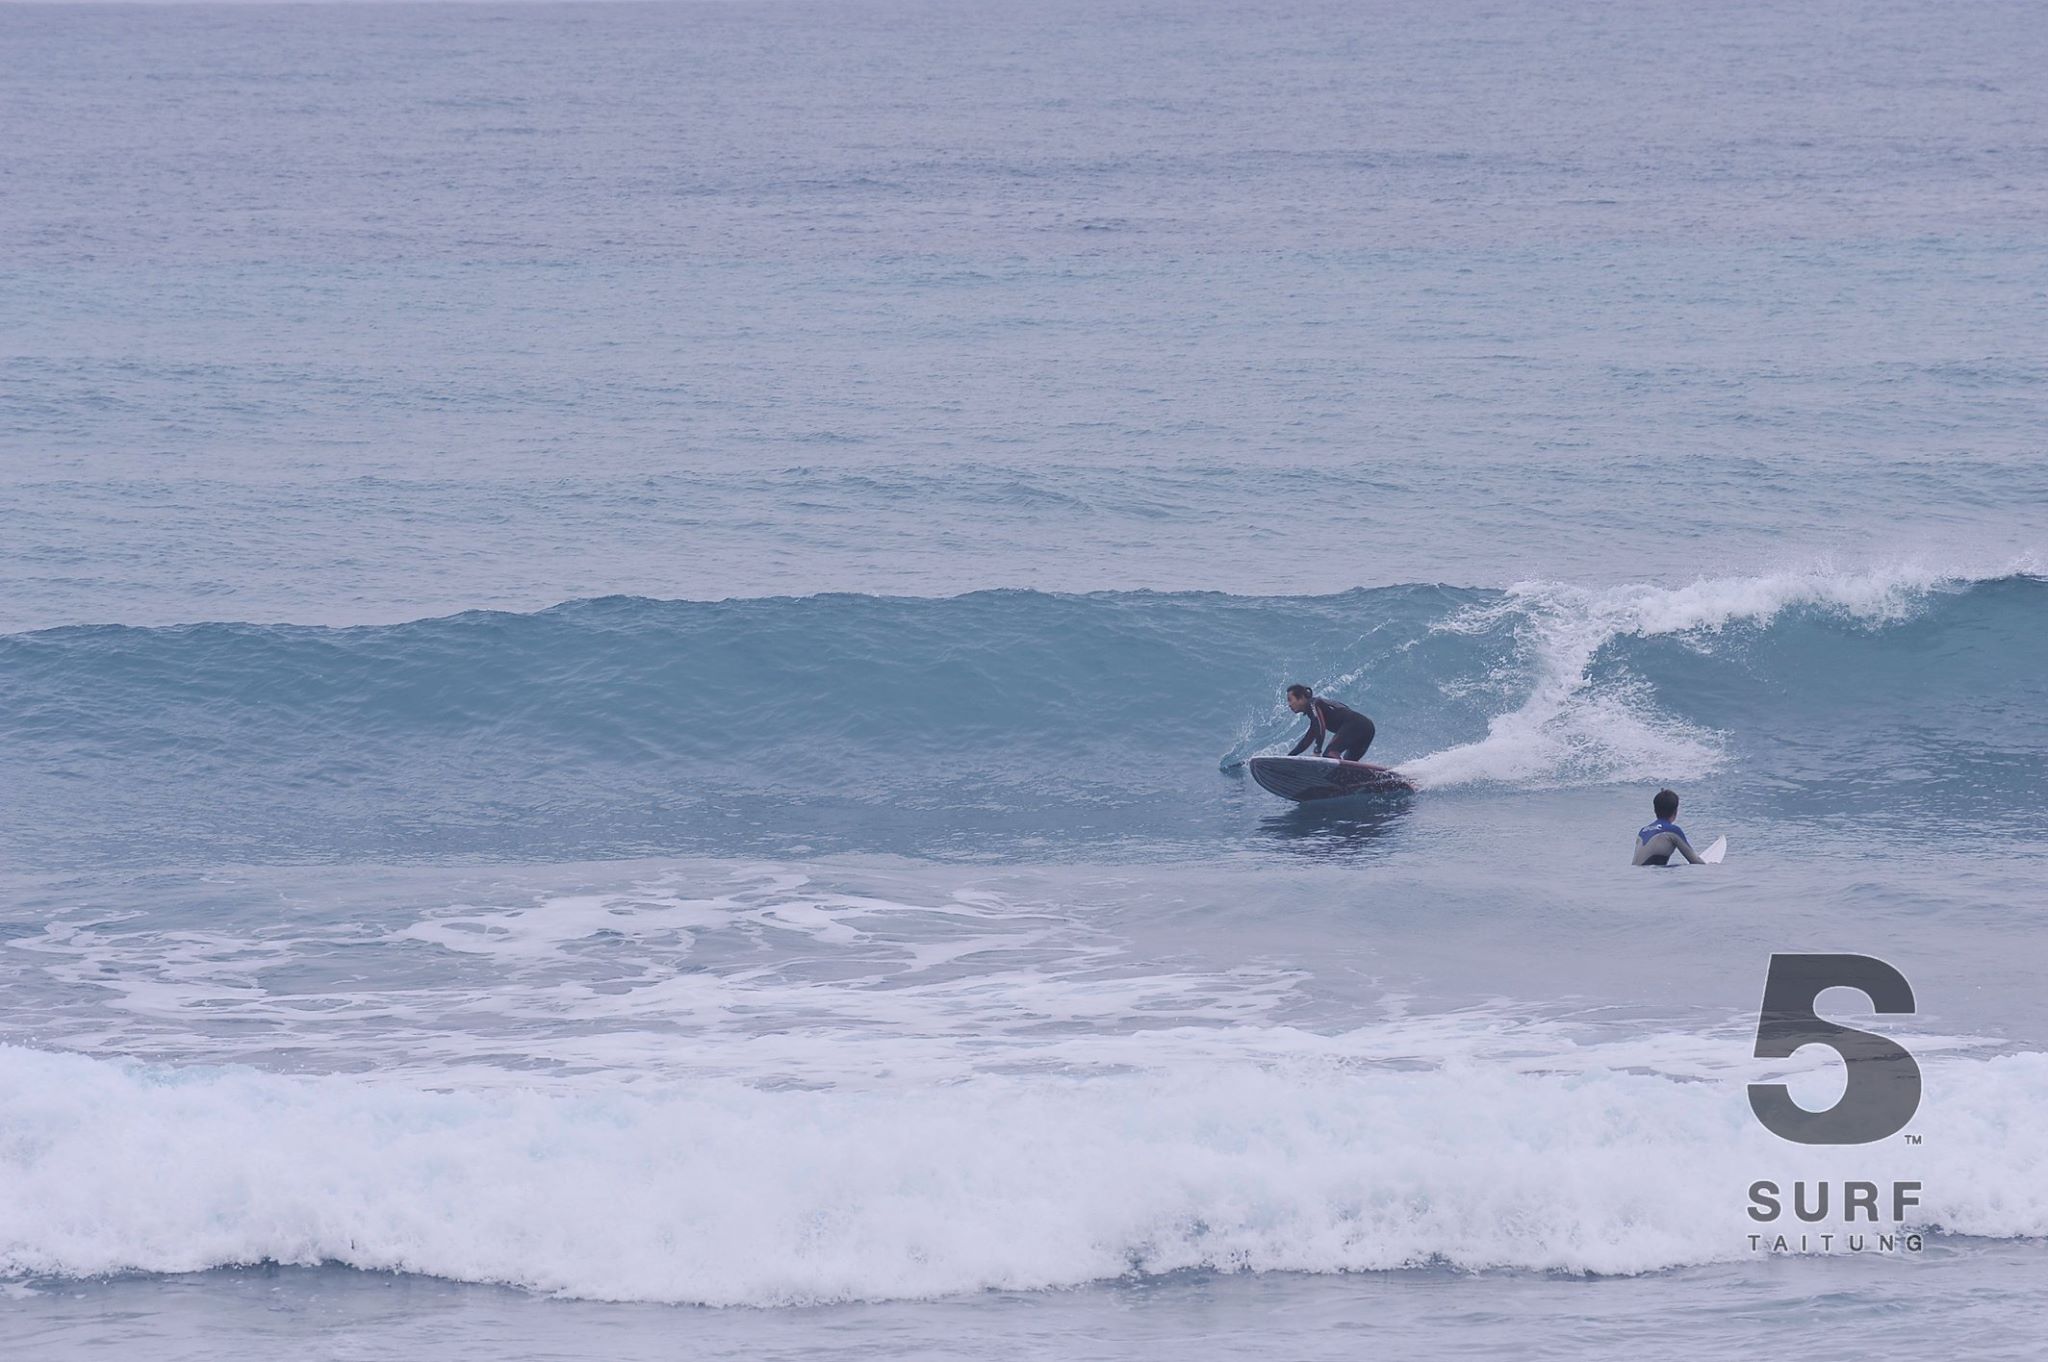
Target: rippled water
{"points": [[630, 634]]}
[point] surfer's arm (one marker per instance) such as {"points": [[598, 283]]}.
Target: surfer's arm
{"points": [[1681, 845], [1315, 732]]}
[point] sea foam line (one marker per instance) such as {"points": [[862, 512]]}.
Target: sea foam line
{"points": [[722, 1194]]}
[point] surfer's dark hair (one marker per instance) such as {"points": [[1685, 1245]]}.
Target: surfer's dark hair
{"points": [[1299, 691], [1666, 803]]}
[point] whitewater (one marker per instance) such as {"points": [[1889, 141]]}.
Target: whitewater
{"points": [[629, 635], [1148, 1025]]}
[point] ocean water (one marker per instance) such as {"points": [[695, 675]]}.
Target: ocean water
{"points": [[629, 632]]}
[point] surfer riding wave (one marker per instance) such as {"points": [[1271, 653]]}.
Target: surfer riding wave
{"points": [[1334, 730]]}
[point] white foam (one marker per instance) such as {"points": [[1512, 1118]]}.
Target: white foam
{"points": [[720, 1193], [1568, 731], [764, 978]]}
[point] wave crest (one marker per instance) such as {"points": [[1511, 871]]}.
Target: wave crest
{"points": [[1571, 731]]}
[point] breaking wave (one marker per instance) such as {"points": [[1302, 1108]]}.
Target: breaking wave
{"points": [[723, 1194], [625, 726]]}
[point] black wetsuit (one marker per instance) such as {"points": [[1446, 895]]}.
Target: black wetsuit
{"points": [[1336, 731]]}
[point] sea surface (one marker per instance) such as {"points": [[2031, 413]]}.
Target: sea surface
{"points": [[629, 635]]}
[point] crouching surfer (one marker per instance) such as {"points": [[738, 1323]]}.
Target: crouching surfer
{"points": [[1657, 842], [1334, 730]]}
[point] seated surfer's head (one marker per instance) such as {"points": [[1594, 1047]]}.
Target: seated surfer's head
{"points": [[1297, 697], [1666, 804]]}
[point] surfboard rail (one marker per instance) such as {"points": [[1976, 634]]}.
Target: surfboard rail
{"points": [[1307, 780]]}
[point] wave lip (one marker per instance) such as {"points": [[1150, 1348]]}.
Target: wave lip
{"points": [[725, 1195], [1571, 731]]}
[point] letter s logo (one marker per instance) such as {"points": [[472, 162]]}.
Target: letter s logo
{"points": [[1883, 1090]]}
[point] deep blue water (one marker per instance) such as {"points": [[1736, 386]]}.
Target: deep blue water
{"points": [[628, 635]]}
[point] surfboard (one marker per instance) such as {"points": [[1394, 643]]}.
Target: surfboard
{"points": [[1713, 854], [1306, 779]]}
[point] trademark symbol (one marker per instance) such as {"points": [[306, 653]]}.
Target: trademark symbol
{"points": [[1912, 1139]]}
